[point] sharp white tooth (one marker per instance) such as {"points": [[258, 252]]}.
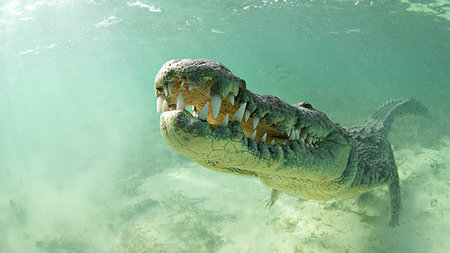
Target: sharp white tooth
{"points": [[237, 117], [183, 81], [166, 91], [253, 135], [302, 140], [292, 134], [191, 87], [247, 114], [165, 107], [224, 122], [180, 102], [263, 139], [305, 135], [297, 134], [272, 142], [309, 140], [231, 98], [203, 115], [159, 103], [169, 87], [216, 101], [255, 122]]}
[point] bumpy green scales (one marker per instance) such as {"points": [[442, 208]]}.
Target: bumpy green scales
{"points": [[290, 148]]}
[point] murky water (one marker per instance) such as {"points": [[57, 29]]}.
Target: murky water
{"points": [[83, 167]]}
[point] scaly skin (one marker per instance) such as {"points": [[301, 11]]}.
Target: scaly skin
{"points": [[296, 148]]}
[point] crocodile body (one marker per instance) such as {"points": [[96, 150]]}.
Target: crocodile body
{"points": [[290, 148]]}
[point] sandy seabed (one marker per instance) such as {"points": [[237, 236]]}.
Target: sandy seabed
{"points": [[187, 208]]}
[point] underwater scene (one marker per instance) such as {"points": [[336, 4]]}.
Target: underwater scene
{"points": [[84, 166]]}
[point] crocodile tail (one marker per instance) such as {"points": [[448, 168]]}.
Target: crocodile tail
{"points": [[383, 118]]}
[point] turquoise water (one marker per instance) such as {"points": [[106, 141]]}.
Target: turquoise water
{"points": [[83, 167]]}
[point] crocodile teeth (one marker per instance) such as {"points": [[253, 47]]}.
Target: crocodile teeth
{"points": [[183, 81], [224, 122], [159, 103], [255, 121], [309, 140], [203, 115], [305, 135], [253, 135], [237, 117], [263, 139], [166, 91], [191, 87], [297, 134], [231, 98], [165, 107], [216, 101], [194, 113], [272, 142], [180, 102], [169, 87], [292, 134], [247, 114]]}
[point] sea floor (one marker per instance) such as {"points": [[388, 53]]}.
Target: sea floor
{"points": [[187, 208]]}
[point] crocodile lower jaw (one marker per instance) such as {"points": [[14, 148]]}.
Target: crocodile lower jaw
{"points": [[224, 149], [227, 148]]}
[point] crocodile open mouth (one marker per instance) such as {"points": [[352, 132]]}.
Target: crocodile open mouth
{"points": [[239, 106]]}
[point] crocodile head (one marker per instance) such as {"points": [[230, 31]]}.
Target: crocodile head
{"points": [[235, 131]]}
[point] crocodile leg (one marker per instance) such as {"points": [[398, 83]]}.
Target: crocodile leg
{"points": [[273, 197]]}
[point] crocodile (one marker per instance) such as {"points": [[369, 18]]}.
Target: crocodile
{"points": [[290, 148]]}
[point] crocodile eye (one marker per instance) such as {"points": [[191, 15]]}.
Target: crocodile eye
{"points": [[307, 105]]}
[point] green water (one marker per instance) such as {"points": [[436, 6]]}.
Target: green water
{"points": [[83, 167]]}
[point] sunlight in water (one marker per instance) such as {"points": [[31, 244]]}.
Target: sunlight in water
{"points": [[83, 165]]}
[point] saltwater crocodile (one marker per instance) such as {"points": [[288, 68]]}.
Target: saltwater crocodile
{"points": [[290, 148]]}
